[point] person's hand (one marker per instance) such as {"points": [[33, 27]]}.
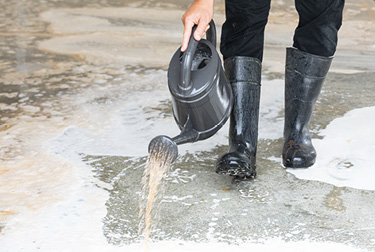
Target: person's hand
{"points": [[199, 13]]}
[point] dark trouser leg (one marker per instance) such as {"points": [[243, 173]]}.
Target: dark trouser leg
{"points": [[243, 31], [319, 23], [307, 65]]}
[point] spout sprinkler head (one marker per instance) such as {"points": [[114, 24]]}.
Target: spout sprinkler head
{"points": [[164, 144]]}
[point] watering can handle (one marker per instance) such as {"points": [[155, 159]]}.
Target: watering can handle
{"points": [[211, 33], [187, 59]]}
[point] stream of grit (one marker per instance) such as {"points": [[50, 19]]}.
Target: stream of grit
{"points": [[157, 165]]}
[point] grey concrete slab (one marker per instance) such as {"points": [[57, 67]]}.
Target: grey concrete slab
{"points": [[82, 92]]}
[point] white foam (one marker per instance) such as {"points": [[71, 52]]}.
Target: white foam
{"points": [[346, 152], [83, 242], [271, 124]]}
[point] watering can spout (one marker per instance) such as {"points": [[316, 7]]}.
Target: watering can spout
{"points": [[163, 145], [168, 146], [186, 137]]}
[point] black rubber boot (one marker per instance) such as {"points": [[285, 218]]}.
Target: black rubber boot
{"points": [[244, 74], [304, 77]]}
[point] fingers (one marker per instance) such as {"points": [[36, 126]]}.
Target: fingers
{"points": [[200, 31], [198, 34], [186, 36], [200, 13], [208, 27]]}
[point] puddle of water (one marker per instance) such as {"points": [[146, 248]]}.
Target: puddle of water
{"points": [[345, 154]]}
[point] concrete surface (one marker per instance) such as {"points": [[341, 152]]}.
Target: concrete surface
{"points": [[83, 90]]}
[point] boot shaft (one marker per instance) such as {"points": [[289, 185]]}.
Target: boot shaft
{"points": [[244, 74], [307, 64], [243, 69], [304, 77]]}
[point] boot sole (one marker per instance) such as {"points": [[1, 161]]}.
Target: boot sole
{"points": [[239, 171], [298, 166]]}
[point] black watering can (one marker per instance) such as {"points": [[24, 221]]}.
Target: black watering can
{"points": [[201, 94]]}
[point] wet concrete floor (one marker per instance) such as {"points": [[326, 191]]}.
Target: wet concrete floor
{"points": [[83, 90]]}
